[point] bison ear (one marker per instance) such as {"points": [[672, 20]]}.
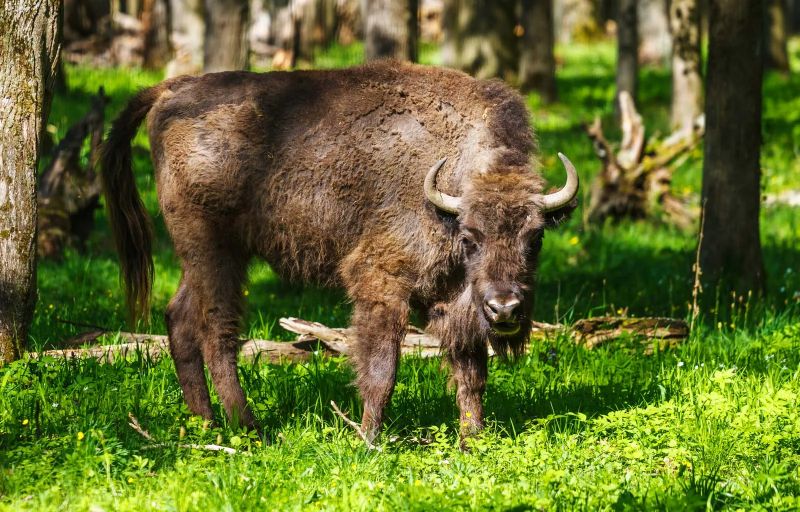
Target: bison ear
{"points": [[553, 218]]}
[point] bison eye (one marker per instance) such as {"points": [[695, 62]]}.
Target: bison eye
{"points": [[535, 244], [468, 246]]}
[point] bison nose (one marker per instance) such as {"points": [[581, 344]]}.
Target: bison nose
{"points": [[501, 309]]}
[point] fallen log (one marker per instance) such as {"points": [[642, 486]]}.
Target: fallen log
{"points": [[315, 337], [156, 345]]}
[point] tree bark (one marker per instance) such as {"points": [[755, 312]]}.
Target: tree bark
{"points": [[187, 36], [155, 26], [627, 50], [687, 81], [730, 255], [30, 42], [537, 64], [777, 52], [226, 35], [655, 43], [793, 15], [391, 29], [577, 21], [479, 37]]}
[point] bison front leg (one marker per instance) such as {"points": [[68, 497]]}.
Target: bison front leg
{"points": [[380, 326], [469, 367]]}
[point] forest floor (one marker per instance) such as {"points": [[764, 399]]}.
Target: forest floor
{"points": [[713, 423]]}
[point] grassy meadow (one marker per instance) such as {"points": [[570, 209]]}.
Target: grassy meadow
{"points": [[711, 424]]}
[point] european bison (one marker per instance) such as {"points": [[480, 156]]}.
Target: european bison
{"points": [[410, 186]]}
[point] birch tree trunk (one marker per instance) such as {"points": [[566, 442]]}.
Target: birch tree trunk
{"points": [[537, 64], [730, 254], [687, 81], [226, 35], [391, 29], [30, 42]]}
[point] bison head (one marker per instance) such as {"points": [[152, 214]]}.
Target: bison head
{"points": [[501, 219]]}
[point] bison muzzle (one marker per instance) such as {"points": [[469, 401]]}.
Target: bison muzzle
{"points": [[414, 188]]}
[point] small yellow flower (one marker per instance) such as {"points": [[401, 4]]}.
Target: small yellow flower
{"points": [[130, 479], [468, 415], [25, 421], [258, 443], [80, 436], [246, 292], [574, 240]]}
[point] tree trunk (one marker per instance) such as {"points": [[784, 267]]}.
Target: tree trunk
{"points": [[730, 254], [155, 26], [187, 34], [687, 81], [577, 21], [391, 29], [30, 41], [655, 43], [793, 15], [777, 53], [537, 65], [226, 35], [479, 37], [627, 50]]}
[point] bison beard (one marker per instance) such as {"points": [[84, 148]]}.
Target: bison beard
{"points": [[332, 177]]}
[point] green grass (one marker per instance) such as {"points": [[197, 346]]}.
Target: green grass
{"points": [[714, 423]]}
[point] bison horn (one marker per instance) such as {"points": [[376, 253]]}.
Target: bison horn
{"points": [[439, 199], [563, 197]]}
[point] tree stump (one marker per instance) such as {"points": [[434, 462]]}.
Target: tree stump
{"points": [[68, 194], [636, 181]]}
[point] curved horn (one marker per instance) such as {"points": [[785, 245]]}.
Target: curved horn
{"points": [[561, 198], [439, 199]]}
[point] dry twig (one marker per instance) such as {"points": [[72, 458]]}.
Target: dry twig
{"points": [[697, 287], [355, 426], [135, 425]]}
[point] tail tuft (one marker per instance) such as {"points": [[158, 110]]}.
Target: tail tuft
{"points": [[130, 222]]}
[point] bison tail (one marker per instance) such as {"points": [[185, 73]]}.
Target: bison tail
{"points": [[130, 223]]}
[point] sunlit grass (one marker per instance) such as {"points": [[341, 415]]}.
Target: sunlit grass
{"points": [[712, 423]]}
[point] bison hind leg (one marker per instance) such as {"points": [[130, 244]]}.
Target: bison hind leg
{"points": [[181, 317], [214, 272]]}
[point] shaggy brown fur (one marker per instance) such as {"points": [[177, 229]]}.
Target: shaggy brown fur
{"points": [[321, 173]]}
